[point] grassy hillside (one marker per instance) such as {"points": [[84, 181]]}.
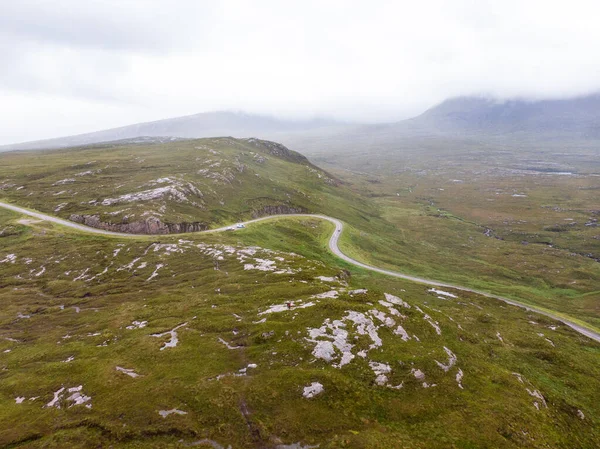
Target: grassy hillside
{"points": [[174, 342], [494, 219], [173, 187], [517, 221]]}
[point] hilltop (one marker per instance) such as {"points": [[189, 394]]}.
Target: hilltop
{"points": [[179, 186]]}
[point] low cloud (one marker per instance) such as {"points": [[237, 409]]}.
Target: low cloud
{"points": [[353, 60]]}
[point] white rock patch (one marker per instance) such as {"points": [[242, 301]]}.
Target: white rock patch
{"points": [[147, 195], [137, 325], [419, 375], [451, 360], [381, 370], [285, 307], [532, 392], [327, 279], [459, 377], [365, 326], [262, 265], [227, 345], [395, 300], [442, 293], [173, 411], [76, 397], [433, 324], [242, 372], [391, 309], [381, 316], [130, 265], [402, 332], [64, 181], [10, 258], [313, 390], [360, 291], [174, 339], [536, 394], [155, 273], [330, 294], [336, 336], [129, 372]]}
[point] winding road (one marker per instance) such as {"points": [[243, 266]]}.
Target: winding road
{"points": [[333, 246]]}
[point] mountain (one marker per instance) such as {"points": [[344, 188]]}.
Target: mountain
{"points": [[477, 119], [207, 124], [457, 124], [573, 118]]}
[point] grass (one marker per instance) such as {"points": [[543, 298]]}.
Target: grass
{"points": [[437, 205], [209, 181], [266, 407], [423, 213]]}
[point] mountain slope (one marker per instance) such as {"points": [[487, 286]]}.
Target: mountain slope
{"points": [[171, 187], [464, 117], [573, 118], [124, 342], [207, 124], [457, 126]]}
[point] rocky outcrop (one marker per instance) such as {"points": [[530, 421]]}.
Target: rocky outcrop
{"points": [[277, 149], [151, 225], [280, 209]]}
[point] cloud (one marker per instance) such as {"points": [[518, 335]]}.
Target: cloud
{"points": [[355, 60], [152, 26]]}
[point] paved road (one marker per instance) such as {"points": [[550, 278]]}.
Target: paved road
{"points": [[333, 246]]}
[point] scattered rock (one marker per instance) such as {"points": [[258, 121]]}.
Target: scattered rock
{"points": [[174, 339], [129, 372], [173, 411], [312, 390]]}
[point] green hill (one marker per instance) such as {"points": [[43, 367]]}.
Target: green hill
{"points": [[231, 340], [178, 186]]}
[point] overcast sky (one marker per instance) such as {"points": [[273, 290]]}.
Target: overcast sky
{"points": [[72, 66]]}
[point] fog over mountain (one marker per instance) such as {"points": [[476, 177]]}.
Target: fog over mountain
{"points": [[573, 118], [72, 67], [461, 117], [206, 124]]}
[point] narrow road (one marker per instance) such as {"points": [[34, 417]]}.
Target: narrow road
{"points": [[333, 246]]}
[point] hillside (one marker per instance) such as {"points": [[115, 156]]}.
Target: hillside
{"points": [[233, 340], [176, 186]]}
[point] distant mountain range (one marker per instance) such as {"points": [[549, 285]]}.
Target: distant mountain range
{"points": [[574, 118], [461, 117], [207, 124]]}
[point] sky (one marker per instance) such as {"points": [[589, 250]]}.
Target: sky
{"points": [[72, 66]]}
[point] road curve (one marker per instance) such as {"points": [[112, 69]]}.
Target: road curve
{"points": [[334, 248]]}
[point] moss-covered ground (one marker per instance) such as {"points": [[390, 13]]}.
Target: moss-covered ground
{"points": [[68, 299]]}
